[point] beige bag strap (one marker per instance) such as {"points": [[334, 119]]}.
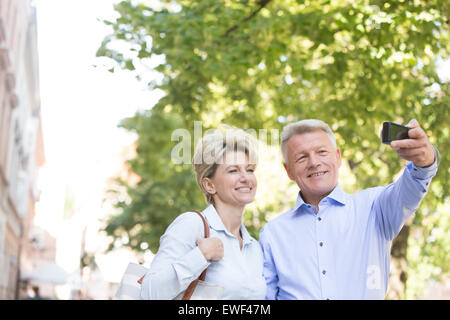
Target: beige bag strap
{"points": [[190, 289]]}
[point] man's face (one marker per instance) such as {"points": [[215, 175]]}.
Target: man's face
{"points": [[313, 163]]}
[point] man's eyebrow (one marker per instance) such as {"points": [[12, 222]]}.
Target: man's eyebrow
{"points": [[305, 152], [299, 153]]}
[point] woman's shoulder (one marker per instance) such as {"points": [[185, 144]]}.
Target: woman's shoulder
{"points": [[186, 221], [189, 216]]}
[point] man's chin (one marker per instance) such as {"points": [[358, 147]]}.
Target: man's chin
{"points": [[318, 193]]}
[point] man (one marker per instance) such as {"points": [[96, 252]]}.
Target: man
{"points": [[334, 245]]}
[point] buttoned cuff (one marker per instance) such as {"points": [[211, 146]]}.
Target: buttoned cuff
{"points": [[426, 172]]}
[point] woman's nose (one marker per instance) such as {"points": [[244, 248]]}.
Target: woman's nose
{"points": [[243, 175]]}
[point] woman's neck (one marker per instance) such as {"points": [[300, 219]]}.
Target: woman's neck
{"points": [[231, 217]]}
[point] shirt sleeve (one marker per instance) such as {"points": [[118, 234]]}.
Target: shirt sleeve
{"points": [[269, 270], [398, 201], [178, 261]]}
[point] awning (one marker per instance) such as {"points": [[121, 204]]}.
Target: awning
{"points": [[50, 273]]}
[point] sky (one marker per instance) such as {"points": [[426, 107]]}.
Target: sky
{"points": [[81, 106]]}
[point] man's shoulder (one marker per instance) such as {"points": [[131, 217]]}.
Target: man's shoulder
{"points": [[278, 220], [365, 194]]}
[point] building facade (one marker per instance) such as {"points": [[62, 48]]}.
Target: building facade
{"points": [[21, 141]]}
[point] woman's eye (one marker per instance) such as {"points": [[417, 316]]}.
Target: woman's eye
{"points": [[232, 171], [251, 170]]}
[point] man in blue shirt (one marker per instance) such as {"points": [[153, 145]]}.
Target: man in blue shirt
{"points": [[334, 245]]}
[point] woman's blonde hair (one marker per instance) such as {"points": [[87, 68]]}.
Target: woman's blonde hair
{"points": [[210, 151]]}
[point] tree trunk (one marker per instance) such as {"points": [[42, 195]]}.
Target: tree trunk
{"points": [[399, 265]]}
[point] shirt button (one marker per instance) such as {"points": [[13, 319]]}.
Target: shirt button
{"points": [[321, 244], [319, 218], [323, 272]]}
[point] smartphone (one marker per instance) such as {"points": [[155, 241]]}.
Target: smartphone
{"points": [[393, 131]]}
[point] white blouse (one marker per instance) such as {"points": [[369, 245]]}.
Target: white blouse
{"points": [[179, 261]]}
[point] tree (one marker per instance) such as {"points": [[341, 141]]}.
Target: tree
{"points": [[259, 64]]}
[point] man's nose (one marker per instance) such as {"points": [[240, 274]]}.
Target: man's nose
{"points": [[313, 161]]}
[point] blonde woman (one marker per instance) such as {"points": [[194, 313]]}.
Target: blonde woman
{"points": [[224, 165]]}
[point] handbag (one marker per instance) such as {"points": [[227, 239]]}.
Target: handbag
{"points": [[199, 289]]}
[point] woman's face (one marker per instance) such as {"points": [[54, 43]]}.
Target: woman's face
{"points": [[234, 182]]}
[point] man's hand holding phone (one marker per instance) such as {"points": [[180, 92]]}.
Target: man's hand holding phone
{"points": [[417, 148]]}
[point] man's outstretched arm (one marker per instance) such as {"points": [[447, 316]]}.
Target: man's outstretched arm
{"points": [[398, 201]]}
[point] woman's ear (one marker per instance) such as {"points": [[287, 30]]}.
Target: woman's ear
{"points": [[208, 185]]}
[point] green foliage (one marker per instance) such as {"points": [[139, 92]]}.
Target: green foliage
{"points": [[429, 250], [259, 64]]}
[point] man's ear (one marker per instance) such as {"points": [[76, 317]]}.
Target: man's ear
{"points": [[339, 157], [208, 185], [286, 167]]}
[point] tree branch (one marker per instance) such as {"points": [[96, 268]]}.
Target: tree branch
{"points": [[261, 3]]}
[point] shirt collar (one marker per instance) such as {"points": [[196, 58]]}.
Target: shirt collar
{"points": [[337, 195], [216, 223], [213, 218]]}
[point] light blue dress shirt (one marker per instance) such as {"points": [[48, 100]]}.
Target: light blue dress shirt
{"points": [[343, 250], [179, 261]]}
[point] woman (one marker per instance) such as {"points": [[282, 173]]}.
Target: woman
{"points": [[224, 165]]}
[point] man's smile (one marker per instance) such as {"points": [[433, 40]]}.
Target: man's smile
{"points": [[317, 174]]}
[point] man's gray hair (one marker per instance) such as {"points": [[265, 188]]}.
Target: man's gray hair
{"points": [[304, 126]]}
